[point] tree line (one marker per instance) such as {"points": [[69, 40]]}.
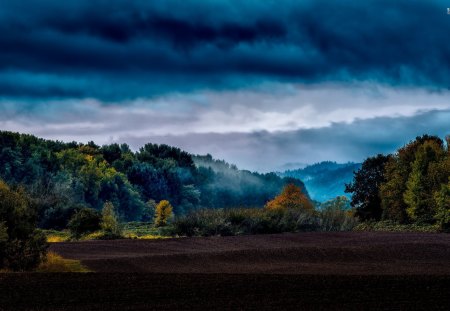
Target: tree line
{"points": [[62, 178], [410, 186]]}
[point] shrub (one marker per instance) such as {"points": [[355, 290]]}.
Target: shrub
{"points": [[337, 215], [84, 221], [299, 221], [241, 221], [56, 263], [391, 226], [22, 246], [54, 236]]}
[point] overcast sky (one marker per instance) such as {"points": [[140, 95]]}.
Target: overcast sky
{"points": [[257, 83]]}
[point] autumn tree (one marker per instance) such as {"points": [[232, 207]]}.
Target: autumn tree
{"points": [[290, 198], [163, 213], [365, 188]]}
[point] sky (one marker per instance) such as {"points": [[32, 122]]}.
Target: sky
{"points": [[266, 85]]}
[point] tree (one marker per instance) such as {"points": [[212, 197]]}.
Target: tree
{"points": [[290, 198], [391, 191], [419, 187], [110, 223], [397, 172], [22, 246], [365, 188], [163, 213], [149, 210], [84, 221], [443, 207], [341, 203]]}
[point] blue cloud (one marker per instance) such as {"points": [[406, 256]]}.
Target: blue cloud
{"points": [[114, 50]]}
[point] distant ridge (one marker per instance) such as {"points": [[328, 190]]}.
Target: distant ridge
{"points": [[325, 180]]}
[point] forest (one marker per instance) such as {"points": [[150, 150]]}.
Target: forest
{"points": [[62, 178], [410, 186]]}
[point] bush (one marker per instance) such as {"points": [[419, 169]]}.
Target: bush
{"points": [[391, 226], [337, 220], [22, 246], [84, 221], [241, 221], [55, 263], [337, 215]]}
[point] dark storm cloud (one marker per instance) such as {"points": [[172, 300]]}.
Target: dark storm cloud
{"points": [[144, 48]]}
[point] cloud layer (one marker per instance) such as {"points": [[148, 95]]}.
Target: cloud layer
{"points": [[259, 129], [80, 49], [259, 83]]}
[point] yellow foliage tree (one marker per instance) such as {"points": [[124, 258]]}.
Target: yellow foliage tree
{"points": [[163, 213], [290, 198]]}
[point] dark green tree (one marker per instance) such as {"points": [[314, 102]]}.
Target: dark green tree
{"points": [[442, 198], [22, 246], [110, 222], [397, 173], [84, 221], [419, 187], [365, 188]]}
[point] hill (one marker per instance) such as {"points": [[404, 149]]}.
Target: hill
{"points": [[61, 178], [324, 180], [246, 185]]}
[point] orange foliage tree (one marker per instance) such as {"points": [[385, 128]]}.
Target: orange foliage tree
{"points": [[291, 197]]}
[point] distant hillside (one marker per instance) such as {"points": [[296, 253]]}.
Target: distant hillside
{"points": [[325, 180], [242, 187]]}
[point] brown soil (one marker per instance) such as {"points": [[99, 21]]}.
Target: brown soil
{"points": [[344, 253], [305, 271]]}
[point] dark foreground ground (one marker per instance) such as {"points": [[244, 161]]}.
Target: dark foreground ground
{"points": [[133, 291], [354, 253], [325, 271]]}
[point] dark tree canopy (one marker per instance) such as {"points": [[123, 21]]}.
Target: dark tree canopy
{"points": [[365, 187], [22, 247], [410, 186]]}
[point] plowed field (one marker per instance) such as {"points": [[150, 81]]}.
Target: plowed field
{"points": [[392, 271]]}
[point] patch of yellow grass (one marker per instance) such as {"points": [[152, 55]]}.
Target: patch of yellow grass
{"points": [[131, 235], [56, 239], [54, 236], [152, 237], [56, 263], [92, 236]]}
